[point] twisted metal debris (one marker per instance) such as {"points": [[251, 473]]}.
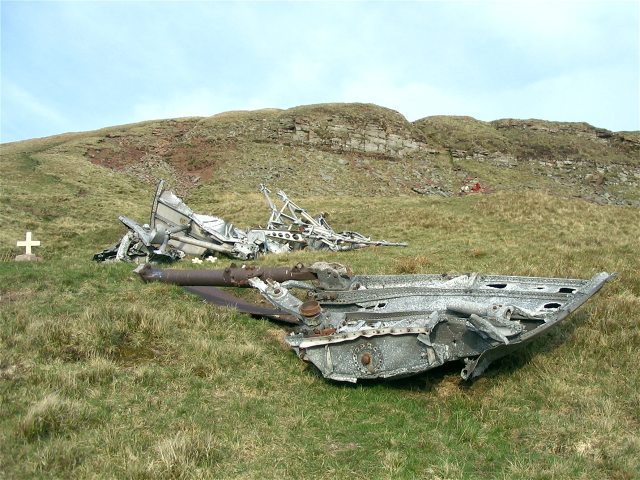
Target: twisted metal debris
{"points": [[354, 327], [174, 230]]}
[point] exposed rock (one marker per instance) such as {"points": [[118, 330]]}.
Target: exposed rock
{"points": [[364, 149]]}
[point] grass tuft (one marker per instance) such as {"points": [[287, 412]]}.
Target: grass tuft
{"points": [[52, 415], [185, 455], [410, 265]]}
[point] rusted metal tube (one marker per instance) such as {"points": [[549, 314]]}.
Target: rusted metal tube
{"points": [[215, 296], [228, 277]]}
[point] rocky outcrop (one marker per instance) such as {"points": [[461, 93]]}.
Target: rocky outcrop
{"points": [[359, 128], [374, 134], [366, 149]]}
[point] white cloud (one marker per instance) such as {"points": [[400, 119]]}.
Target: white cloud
{"points": [[196, 103], [604, 97], [303, 71], [596, 95], [413, 99], [118, 62], [21, 99], [546, 21]]}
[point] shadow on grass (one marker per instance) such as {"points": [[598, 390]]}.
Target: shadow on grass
{"points": [[431, 380], [546, 343]]}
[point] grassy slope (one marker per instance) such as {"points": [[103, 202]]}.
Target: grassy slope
{"points": [[558, 157], [102, 376], [239, 150]]}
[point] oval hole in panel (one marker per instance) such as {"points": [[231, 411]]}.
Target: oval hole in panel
{"points": [[566, 290], [552, 305]]}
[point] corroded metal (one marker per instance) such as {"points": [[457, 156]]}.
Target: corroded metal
{"points": [[296, 226], [175, 230], [228, 277], [354, 327]]}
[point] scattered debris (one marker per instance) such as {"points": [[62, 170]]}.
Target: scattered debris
{"points": [[174, 230], [292, 225], [354, 327], [28, 243], [472, 185]]}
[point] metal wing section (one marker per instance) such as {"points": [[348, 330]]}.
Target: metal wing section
{"points": [[387, 326]]}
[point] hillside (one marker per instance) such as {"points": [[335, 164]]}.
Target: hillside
{"points": [[102, 376], [361, 150]]}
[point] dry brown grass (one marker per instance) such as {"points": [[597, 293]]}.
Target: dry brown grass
{"points": [[411, 265], [52, 415]]}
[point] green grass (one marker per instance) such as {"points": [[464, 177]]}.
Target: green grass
{"points": [[102, 376]]}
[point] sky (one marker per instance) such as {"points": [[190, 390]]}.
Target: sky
{"points": [[76, 66]]}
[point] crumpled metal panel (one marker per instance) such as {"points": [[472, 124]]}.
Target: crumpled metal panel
{"points": [[174, 230], [366, 327]]}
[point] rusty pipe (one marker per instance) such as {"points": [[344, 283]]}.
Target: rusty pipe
{"points": [[231, 276]]}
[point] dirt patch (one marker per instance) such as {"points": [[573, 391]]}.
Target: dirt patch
{"points": [[188, 159], [12, 296], [116, 156], [368, 150]]}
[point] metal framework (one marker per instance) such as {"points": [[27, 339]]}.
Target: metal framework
{"points": [[354, 327], [174, 230]]}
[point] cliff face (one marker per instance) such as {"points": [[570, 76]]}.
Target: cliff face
{"points": [[589, 162], [531, 139], [364, 149], [340, 128]]}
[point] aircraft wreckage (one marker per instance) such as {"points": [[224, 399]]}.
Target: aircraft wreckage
{"points": [[175, 230], [354, 327]]}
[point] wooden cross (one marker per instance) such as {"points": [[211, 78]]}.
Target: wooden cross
{"points": [[28, 243]]}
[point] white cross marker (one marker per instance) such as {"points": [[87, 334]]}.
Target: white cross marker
{"points": [[28, 243]]}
